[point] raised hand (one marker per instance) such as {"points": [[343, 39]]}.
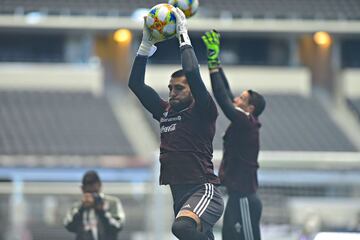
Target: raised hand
{"points": [[181, 27], [147, 47], [212, 42]]}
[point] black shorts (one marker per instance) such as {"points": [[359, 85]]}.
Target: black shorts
{"points": [[204, 200]]}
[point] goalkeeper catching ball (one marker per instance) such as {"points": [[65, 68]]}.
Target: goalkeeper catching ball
{"points": [[187, 128]]}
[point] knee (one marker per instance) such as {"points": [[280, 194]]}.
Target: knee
{"points": [[183, 227]]}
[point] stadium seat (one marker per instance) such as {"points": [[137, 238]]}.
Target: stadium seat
{"points": [[59, 123]]}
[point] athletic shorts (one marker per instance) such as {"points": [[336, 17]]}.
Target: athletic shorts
{"points": [[206, 202]]}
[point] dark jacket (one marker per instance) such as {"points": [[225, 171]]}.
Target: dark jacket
{"points": [[91, 224]]}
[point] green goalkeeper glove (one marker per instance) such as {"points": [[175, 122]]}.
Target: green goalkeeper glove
{"points": [[212, 42]]}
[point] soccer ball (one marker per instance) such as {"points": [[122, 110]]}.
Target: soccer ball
{"points": [[161, 21], [189, 7]]}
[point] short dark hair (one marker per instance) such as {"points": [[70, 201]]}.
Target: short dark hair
{"points": [[91, 177], [178, 73], [258, 101]]}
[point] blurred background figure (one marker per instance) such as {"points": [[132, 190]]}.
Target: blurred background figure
{"points": [[239, 165], [97, 216]]}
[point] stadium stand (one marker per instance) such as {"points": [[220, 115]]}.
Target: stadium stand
{"points": [[78, 7], [59, 123], [297, 123], [354, 104], [31, 48], [291, 123], [305, 9]]}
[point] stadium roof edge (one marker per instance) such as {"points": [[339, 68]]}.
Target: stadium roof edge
{"points": [[197, 24]]}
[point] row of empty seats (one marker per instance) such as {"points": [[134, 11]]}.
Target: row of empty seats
{"points": [[66, 123], [297, 123], [59, 123], [290, 122], [308, 9]]}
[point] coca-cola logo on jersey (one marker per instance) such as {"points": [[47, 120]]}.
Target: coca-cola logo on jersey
{"points": [[170, 128]]}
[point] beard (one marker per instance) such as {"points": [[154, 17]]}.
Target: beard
{"points": [[178, 105]]}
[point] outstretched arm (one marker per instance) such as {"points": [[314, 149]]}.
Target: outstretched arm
{"points": [[147, 96], [221, 96], [219, 83], [233, 113], [191, 68], [226, 84], [190, 63]]}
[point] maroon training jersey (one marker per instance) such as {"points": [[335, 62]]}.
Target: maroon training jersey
{"points": [[186, 136], [238, 169], [186, 144]]}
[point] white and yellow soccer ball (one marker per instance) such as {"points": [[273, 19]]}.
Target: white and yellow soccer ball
{"points": [[189, 7], [161, 21]]}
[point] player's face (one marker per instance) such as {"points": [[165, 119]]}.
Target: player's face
{"points": [[180, 95], [242, 101]]}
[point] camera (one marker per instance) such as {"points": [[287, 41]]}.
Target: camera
{"points": [[97, 199]]}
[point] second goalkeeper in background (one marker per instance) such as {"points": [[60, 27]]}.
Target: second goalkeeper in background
{"points": [[239, 165]]}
